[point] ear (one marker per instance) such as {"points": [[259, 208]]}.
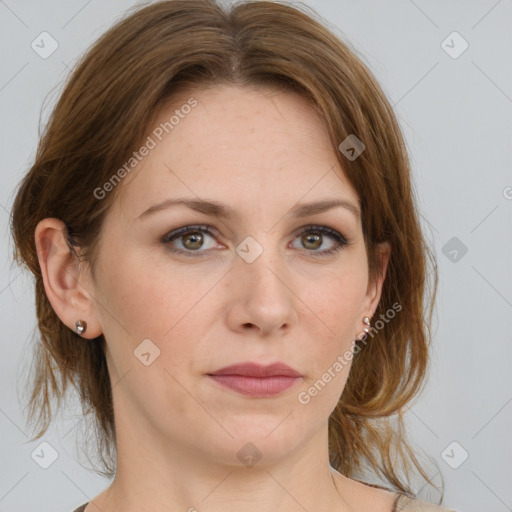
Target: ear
{"points": [[63, 281], [374, 289]]}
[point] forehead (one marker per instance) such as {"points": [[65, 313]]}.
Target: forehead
{"points": [[248, 147]]}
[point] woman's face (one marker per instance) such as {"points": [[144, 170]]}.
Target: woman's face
{"points": [[255, 286]]}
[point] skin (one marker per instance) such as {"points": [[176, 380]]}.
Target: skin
{"points": [[261, 152]]}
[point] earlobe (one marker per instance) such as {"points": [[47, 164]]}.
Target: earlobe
{"points": [[60, 271]]}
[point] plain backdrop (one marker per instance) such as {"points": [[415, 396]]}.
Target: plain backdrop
{"points": [[454, 104]]}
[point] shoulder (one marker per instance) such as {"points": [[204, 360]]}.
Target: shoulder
{"points": [[363, 496], [380, 496], [406, 504]]}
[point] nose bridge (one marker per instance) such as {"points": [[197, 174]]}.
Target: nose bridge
{"points": [[260, 262], [262, 283]]}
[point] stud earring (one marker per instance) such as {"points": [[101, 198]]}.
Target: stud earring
{"points": [[366, 321], [80, 326]]}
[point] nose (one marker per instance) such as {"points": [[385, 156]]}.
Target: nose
{"points": [[261, 296]]}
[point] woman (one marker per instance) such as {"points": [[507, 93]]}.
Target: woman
{"points": [[229, 265]]}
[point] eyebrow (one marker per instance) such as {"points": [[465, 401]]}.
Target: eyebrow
{"points": [[217, 209]]}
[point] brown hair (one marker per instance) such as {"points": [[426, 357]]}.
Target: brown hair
{"points": [[105, 111]]}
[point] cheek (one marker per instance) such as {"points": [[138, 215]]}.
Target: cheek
{"points": [[337, 306], [148, 300], [337, 300], [145, 303]]}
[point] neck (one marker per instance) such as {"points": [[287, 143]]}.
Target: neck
{"points": [[170, 478]]}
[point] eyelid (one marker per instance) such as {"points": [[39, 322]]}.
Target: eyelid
{"points": [[206, 227], [320, 227], [176, 233]]}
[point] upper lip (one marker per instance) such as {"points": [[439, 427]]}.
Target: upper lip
{"points": [[251, 369]]}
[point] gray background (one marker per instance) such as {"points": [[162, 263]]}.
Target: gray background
{"points": [[456, 116]]}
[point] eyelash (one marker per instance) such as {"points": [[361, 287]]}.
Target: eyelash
{"points": [[323, 230]]}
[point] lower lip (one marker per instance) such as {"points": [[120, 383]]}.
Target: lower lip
{"points": [[256, 386]]}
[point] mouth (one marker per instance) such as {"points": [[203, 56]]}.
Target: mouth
{"points": [[252, 379]]}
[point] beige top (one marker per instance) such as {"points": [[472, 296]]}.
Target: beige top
{"points": [[402, 504], [405, 504]]}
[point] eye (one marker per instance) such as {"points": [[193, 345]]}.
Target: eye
{"points": [[191, 239], [312, 237]]}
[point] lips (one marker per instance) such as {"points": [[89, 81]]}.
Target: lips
{"points": [[256, 380], [257, 370]]}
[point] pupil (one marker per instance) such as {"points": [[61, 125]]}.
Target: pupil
{"points": [[191, 237], [313, 238]]}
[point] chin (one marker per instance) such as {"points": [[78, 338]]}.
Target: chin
{"points": [[257, 441]]}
